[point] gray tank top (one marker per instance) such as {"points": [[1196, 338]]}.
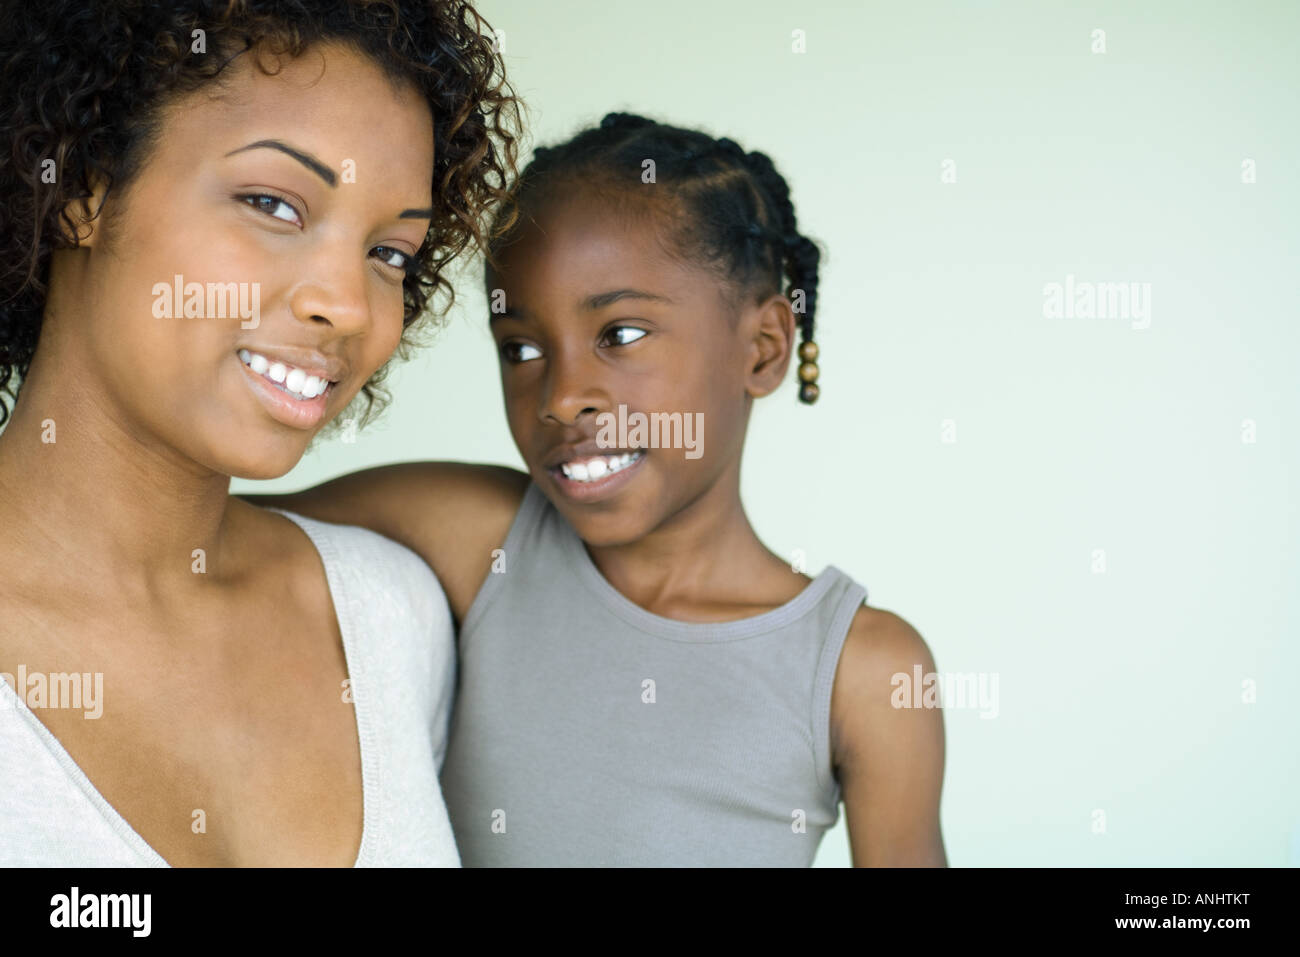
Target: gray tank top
{"points": [[588, 731]]}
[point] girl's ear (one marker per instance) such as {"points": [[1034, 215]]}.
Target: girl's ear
{"points": [[771, 345], [82, 219]]}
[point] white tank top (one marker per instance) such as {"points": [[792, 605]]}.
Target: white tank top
{"points": [[398, 640]]}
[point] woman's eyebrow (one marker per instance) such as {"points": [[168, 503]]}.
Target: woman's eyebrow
{"points": [[306, 159], [321, 170]]}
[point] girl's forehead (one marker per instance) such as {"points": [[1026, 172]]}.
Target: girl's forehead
{"points": [[583, 230], [576, 244], [598, 207]]}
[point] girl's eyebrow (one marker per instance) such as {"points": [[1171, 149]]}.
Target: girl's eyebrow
{"points": [[305, 158], [595, 301], [602, 299]]}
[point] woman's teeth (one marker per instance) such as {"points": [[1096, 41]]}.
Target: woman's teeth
{"points": [[589, 470], [294, 381]]}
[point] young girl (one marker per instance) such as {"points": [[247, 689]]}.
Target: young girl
{"points": [[192, 288], [642, 681]]}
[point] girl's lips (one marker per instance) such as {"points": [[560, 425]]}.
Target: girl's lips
{"points": [[599, 489], [296, 413]]}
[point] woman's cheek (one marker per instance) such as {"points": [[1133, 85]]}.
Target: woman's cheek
{"points": [[390, 340], [377, 348]]}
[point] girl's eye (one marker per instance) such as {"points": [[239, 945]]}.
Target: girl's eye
{"points": [[273, 206], [395, 258], [622, 335], [513, 351]]}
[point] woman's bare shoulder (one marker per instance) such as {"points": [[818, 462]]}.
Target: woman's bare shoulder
{"points": [[451, 514]]}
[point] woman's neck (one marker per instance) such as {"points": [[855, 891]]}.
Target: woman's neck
{"points": [[82, 491]]}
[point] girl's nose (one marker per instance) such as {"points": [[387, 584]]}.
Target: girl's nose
{"points": [[571, 390]]}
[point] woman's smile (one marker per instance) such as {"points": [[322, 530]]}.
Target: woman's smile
{"points": [[294, 390]]}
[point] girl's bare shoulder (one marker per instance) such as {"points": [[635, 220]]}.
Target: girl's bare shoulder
{"points": [[880, 645]]}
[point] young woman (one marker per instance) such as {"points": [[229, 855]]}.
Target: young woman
{"points": [[219, 221], [642, 681]]}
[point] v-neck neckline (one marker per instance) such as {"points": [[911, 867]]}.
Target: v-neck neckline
{"points": [[355, 667]]}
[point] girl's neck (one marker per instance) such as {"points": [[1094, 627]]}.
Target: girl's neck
{"points": [[81, 491], [704, 559]]}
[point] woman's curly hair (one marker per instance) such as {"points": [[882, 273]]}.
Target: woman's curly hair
{"points": [[82, 83]]}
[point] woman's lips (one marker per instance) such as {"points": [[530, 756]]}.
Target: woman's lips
{"points": [[299, 381], [282, 405], [595, 489]]}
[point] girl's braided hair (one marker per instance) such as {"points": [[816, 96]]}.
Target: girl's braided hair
{"points": [[733, 209]]}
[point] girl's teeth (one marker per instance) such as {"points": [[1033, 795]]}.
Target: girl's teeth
{"points": [[294, 381], [598, 467]]}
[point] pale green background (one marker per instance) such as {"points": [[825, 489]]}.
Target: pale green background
{"points": [[1119, 692]]}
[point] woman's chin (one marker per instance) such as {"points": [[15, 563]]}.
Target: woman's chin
{"points": [[261, 475], [271, 463]]}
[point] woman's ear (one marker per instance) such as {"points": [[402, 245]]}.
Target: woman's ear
{"points": [[772, 344], [81, 222]]}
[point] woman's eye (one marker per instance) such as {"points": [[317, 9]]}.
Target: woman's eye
{"points": [[519, 351], [273, 206], [394, 257], [622, 335]]}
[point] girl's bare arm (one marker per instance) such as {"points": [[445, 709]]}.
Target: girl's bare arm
{"points": [[889, 760], [452, 514]]}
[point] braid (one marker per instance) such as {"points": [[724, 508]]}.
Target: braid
{"points": [[624, 121], [799, 255], [736, 211]]}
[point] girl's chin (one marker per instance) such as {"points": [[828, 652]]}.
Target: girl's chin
{"points": [[610, 529]]}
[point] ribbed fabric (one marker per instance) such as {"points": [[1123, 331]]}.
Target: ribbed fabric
{"points": [[397, 638], [562, 752]]}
